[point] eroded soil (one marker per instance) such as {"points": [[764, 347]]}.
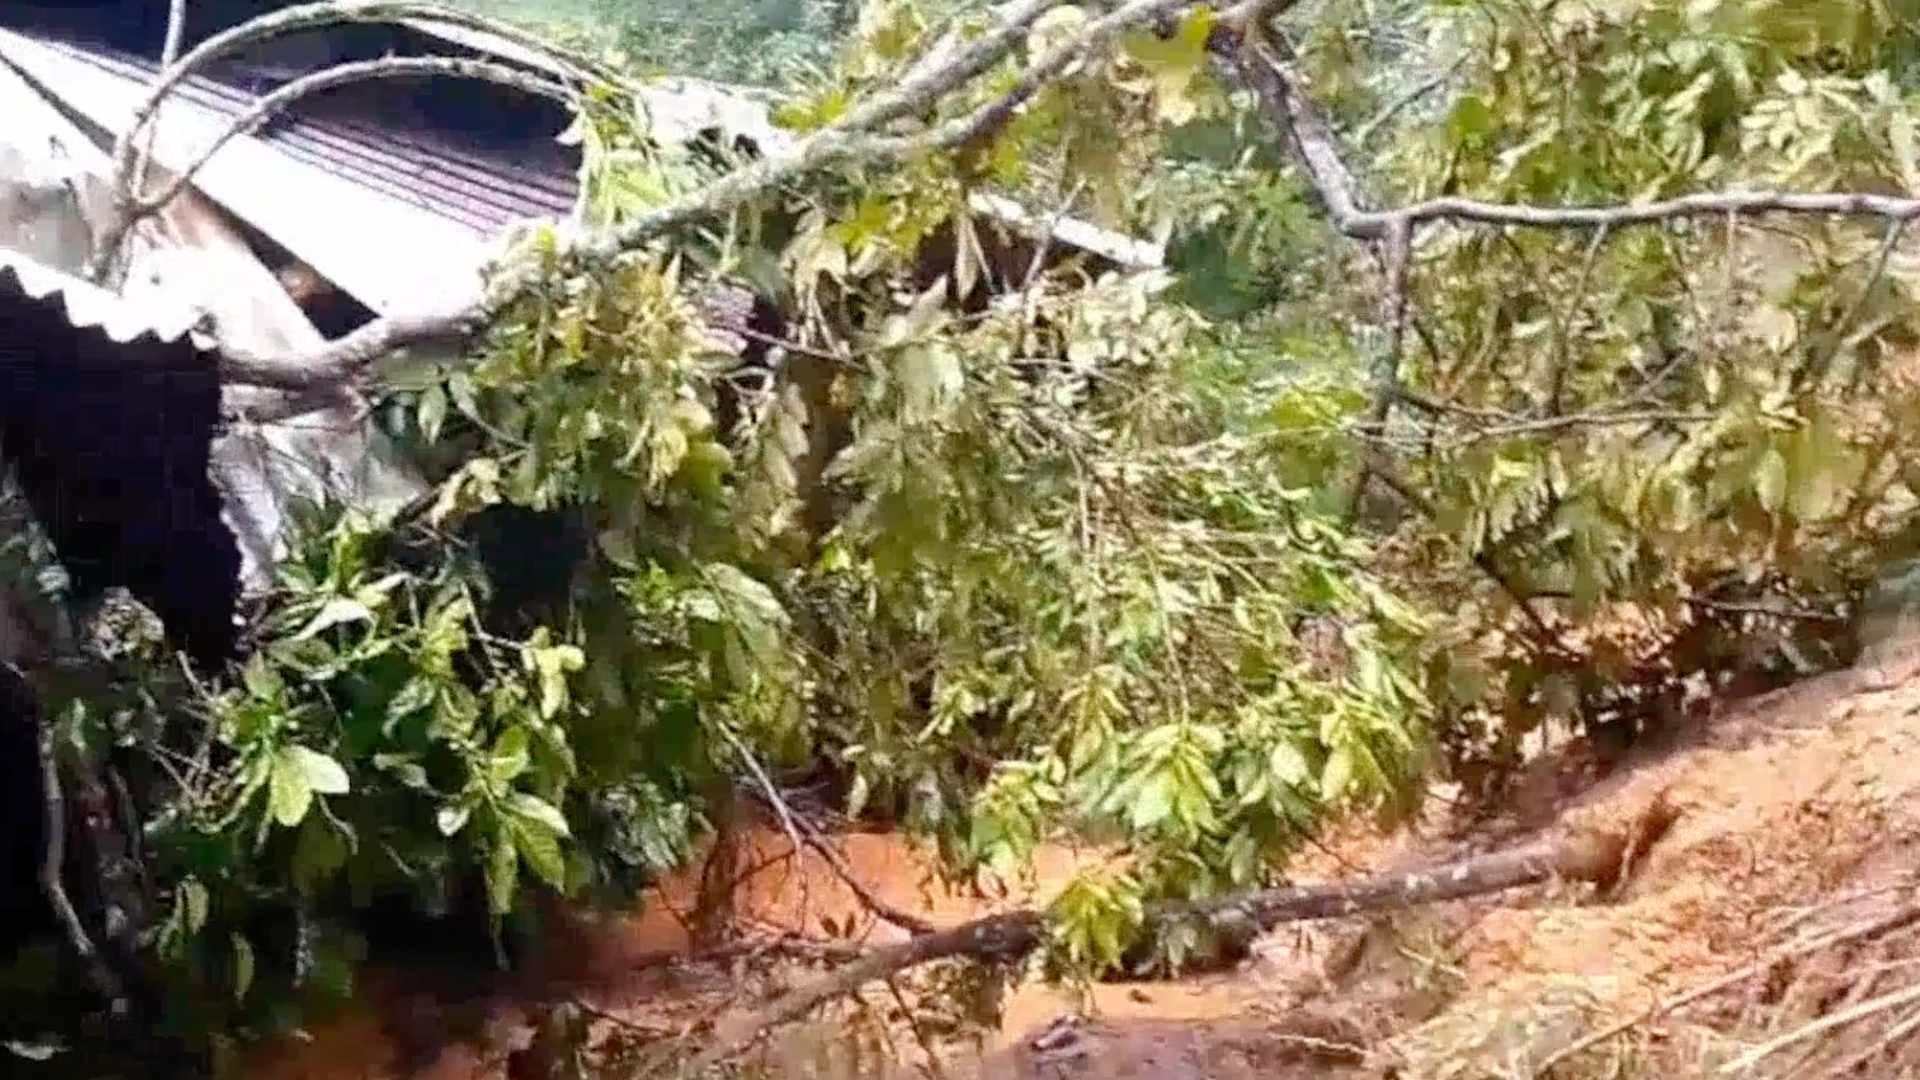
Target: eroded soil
{"points": [[1785, 815]]}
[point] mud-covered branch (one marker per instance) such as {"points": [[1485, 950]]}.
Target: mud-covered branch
{"points": [[1573, 855]]}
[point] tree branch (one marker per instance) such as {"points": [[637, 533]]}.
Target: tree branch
{"points": [[855, 137], [1578, 856], [804, 835], [346, 361], [1365, 132], [134, 206], [53, 873], [307, 16], [176, 32], [1314, 145]]}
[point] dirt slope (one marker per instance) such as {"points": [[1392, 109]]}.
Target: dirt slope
{"points": [[1787, 815]]}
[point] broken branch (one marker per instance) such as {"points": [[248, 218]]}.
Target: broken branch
{"points": [[1581, 856]]}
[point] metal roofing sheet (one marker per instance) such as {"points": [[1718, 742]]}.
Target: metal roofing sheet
{"points": [[88, 307], [483, 192], [107, 417], [387, 252]]}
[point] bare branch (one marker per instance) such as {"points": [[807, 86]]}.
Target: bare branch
{"points": [[1547, 424], [1383, 470], [53, 863], [1901, 917], [940, 70], [803, 835], [290, 20], [1365, 132], [855, 137], [1563, 338], [1817, 367], [1395, 253], [136, 206], [346, 361], [1314, 145], [1039, 74], [176, 32]]}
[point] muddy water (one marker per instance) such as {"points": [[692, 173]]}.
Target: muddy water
{"points": [[397, 1029]]}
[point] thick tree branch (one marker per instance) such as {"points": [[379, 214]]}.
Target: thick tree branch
{"points": [[1039, 74], [1316, 147], [850, 138], [856, 137], [176, 33], [1578, 856]]}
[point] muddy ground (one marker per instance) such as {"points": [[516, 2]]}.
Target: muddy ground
{"points": [[1781, 818]]}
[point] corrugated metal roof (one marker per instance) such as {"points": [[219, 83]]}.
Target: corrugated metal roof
{"points": [[86, 306], [107, 418], [482, 192], [389, 253]]}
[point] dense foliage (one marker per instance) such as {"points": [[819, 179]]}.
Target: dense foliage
{"points": [[1076, 549], [757, 41]]}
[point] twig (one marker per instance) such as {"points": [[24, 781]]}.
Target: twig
{"points": [[1900, 1030], [1382, 470], [1817, 367], [1772, 611], [1562, 340], [1561, 423], [1840, 1019], [1366, 131], [1870, 928], [804, 835], [53, 871], [136, 206]]}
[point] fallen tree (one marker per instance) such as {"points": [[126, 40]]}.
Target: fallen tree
{"points": [[1076, 558], [1587, 855]]}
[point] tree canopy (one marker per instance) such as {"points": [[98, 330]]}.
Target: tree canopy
{"points": [[1513, 363]]}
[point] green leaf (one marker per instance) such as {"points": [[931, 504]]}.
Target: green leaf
{"points": [[323, 774], [321, 851], [433, 412], [1152, 802], [193, 905], [242, 967], [1770, 480], [509, 757], [541, 849], [1288, 765], [1338, 774], [1174, 62], [453, 817], [1901, 136], [415, 696], [337, 612], [535, 809], [289, 796]]}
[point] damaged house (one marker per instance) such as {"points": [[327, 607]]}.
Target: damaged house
{"points": [[365, 200], [368, 200]]}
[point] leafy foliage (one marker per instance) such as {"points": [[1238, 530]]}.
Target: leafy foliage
{"points": [[1073, 549]]}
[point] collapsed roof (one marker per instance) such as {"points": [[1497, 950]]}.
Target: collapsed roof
{"points": [[391, 193], [394, 190]]}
